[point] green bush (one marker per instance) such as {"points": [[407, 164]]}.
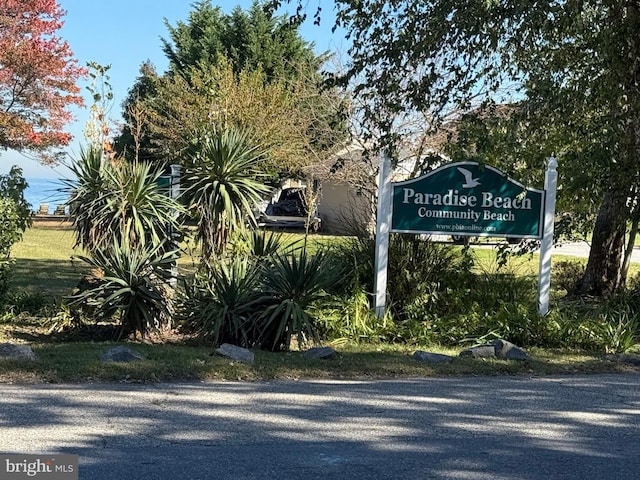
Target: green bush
{"points": [[35, 304], [130, 283], [566, 274], [259, 300], [421, 273], [424, 273], [15, 218]]}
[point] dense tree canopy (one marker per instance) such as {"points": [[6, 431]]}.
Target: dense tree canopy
{"points": [[248, 69], [38, 76], [569, 70], [182, 110], [248, 39]]}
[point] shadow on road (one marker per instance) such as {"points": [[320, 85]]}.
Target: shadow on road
{"points": [[583, 427]]}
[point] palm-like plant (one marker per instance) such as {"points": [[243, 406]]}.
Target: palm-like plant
{"points": [[220, 185], [138, 208], [120, 198], [219, 303], [124, 220], [88, 195], [133, 285], [291, 283]]}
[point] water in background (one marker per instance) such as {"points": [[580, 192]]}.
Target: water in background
{"points": [[43, 191]]}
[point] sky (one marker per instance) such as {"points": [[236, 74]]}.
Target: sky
{"points": [[124, 34]]}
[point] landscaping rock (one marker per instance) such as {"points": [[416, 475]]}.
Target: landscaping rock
{"points": [[479, 351], [18, 352], [235, 353], [121, 354], [428, 357], [321, 353], [509, 351]]}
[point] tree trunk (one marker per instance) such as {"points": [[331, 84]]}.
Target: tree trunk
{"points": [[603, 275]]}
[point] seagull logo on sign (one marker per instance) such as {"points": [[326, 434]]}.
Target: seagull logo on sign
{"points": [[469, 181]]}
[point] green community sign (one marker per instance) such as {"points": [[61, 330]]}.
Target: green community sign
{"points": [[467, 198], [470, 199]]}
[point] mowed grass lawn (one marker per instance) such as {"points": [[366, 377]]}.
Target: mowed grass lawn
{"points": [[46, 262], [45, 265]]}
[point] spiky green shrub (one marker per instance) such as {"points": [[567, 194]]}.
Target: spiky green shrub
{"points": [[116, 200], [292, 282], [219, 303], [259, 301], [130, 283], [221, 186], [87, 196]]}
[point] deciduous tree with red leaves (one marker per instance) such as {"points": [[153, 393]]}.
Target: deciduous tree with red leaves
{"points": [[38, 76]]}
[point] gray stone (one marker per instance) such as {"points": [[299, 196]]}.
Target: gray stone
{"points": [[18, 352], [121, 354], [479, 351], [428, 357], [509, 351], [235, 353], [321, 353]]}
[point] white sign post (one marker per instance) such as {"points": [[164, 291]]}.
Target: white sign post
{"points": [[546, 246], [383, 227], [174, 193]]}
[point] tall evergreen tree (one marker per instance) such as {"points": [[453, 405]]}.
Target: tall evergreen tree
{"points": [[249, 39], [270, 64]]}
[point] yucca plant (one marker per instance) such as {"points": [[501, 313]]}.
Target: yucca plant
{"points": [[133, 285], [219, 304], [108, 197], [88, 194], [291, 283], [262, 244], [221, 186], [138, 207]]}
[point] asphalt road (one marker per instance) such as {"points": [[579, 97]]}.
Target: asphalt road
{"points": [[581, 249], [574, 249], [511, 428]]}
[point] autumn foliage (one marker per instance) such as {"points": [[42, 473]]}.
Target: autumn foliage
{"points": [[38, 76]]}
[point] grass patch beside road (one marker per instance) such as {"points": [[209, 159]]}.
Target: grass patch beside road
{"points": [[73, 358], [79, 362]]}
